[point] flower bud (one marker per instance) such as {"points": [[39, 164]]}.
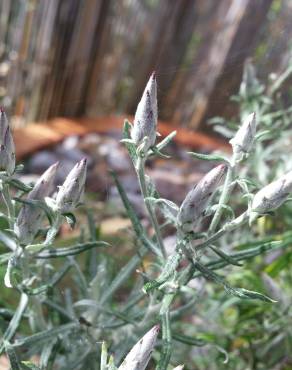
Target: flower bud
{"points": [[271, 196], [243, 139], [145, 120], [71, 192], [139, 356], [180, 367], [197, 200], [249, 79], [7, 148], [30, 217]]}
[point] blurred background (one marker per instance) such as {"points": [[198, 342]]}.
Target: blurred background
{"points": [[91, 58]]}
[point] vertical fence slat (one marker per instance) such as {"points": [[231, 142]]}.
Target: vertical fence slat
{"points": [[93, 57], [226, 44]]}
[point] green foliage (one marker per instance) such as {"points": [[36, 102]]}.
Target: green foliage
{"points": [[222, 298]]}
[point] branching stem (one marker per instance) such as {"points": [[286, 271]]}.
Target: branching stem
{"points": [[8, 202], [142, 182], [226, 191]]}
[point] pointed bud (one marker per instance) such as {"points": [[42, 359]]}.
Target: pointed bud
{"points": [[71, 192], [139, 356], [249, 79], [7, 148], [243, 140], [197, 200], [180, 367], [30, 217], [145, 120], [271, 196]]}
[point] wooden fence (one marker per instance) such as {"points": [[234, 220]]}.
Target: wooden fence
{"points": [[77, 58]]}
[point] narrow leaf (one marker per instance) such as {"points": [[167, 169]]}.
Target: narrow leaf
{"points": [[19, 185], [137, 226], [14, 323], [192, 341], [103, 357], [7, 241], [45, 335], [163, 143], [237, 292], [70, 251], [209, 157], [131, 147], [225, 256]]}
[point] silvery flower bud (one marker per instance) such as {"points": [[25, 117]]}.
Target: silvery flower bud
{"points": [[7, 148], [271, 196], [243, 140], [71, 192], [30, 217], [139, 356], [145, 120], [180, 367], [197, 200]]}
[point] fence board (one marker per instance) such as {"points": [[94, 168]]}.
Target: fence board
{"points": [[93, 57]]}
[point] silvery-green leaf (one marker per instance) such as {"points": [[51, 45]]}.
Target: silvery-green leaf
{"points": [[163, 143], [209, 157], [7, 241], [19, 185], [15, 321], [103, 357], [237, 292], [9, 271], [70, 251], [169, 204], [129, 143]]}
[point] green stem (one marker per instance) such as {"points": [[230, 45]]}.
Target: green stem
{"points": [[153, 219], [227, 188], [38, 313], [166, 338], [50, 237], [240, 220], [8, 202], [15, 321]]}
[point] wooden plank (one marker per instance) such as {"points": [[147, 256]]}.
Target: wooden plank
{"points": [[81, 55], [228, 37], [37, 136], [241, 47]]}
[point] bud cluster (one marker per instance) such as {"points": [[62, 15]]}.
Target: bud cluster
{"points": [[70, 193]]}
